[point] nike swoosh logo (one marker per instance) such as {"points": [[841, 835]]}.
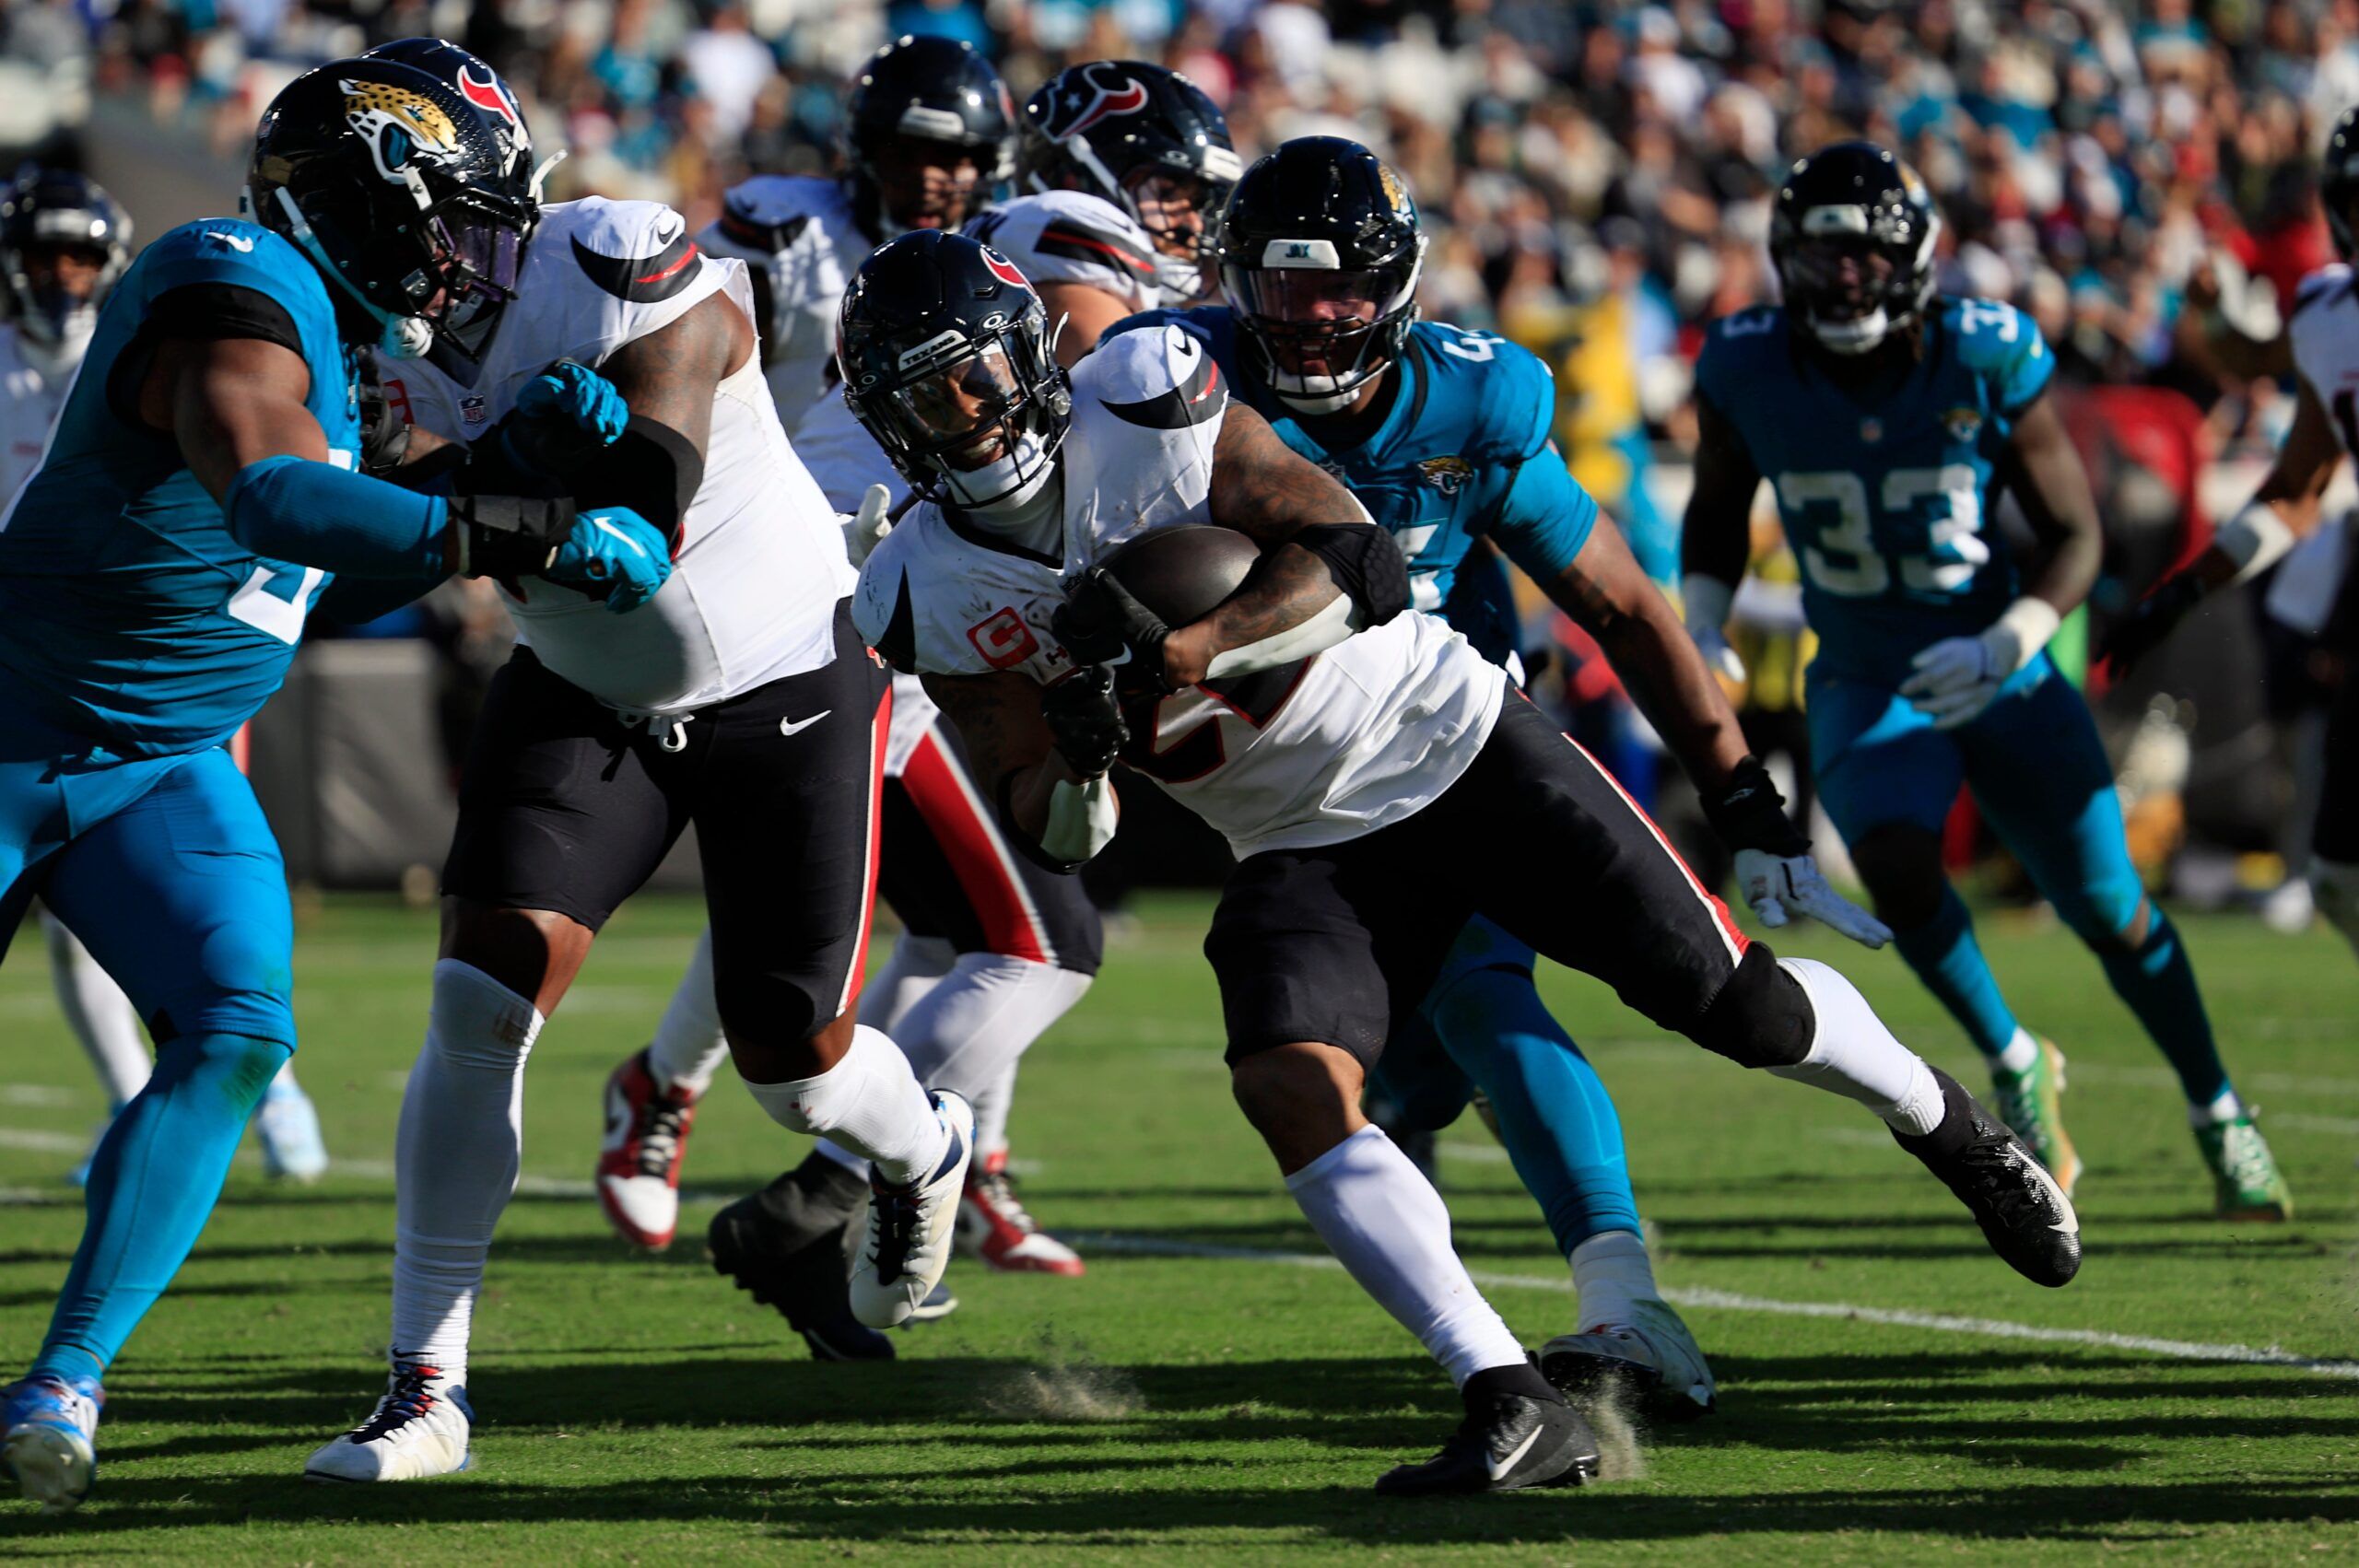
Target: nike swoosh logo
{"points": [[796, 726], [237, 241], [1502, 1467]]}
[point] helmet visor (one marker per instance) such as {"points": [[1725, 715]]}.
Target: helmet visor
{"points": [[1840, 278], [959, 413], [484, 252], [1315, 321]]}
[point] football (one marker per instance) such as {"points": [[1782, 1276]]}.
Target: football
{"points": [[1182, 573]]}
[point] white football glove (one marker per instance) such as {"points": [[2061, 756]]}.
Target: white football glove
{"points": [[1958, 677], [1779, 887], [868, 525]]}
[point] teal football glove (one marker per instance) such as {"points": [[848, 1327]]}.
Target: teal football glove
{"points": [[563, 416], [612, 554]]}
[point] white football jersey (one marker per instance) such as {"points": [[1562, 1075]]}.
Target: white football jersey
{"points": [[761, 563], [28, 405], [1068, 236], [2325, 336], [1345, 743], [806, 227]]}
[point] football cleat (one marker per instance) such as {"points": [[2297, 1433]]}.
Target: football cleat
{"points": [[419, 1429], [647, 1142], [1509, 1440], [2024, 1215], [1652, 1355], [938, 1305], [2245, 1177], [49, 1428], [905, 1246], [994, 1225], [788, 1246], [2031, 1103], [289, 1125]]}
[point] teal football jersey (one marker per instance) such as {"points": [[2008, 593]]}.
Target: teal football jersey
{"points": [[1884, 493], [1447, 464], [128, 614]]}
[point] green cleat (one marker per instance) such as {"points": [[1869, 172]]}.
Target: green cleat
{"points": [[2031, 1103], [2244, 1173]]}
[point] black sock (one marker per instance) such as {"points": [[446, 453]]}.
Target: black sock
{"points": [[1495, 1383]]}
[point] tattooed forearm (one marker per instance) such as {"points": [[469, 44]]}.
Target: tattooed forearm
{"points": [[669, 375], [1008, 743], [1264, 489]]}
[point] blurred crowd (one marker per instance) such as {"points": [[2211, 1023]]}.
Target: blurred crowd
{"points": [[2141, 176]]}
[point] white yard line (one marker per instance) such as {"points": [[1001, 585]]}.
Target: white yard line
{"points": [[1730, 1301]]}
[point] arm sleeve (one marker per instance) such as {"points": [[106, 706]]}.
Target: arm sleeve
{"points": [[1546, 517], [319, 515]]}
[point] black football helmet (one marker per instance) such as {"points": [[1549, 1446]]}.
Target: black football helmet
{"points": [[52, 209], [2338, 182], [1319, 253], [924, 88], [1144, 138], [413, 198], [1851, 234], [943, 350]]}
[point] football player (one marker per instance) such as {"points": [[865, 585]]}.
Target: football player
{"points": [[995, 948], [1885, 419], [736, 696], [1443, 435], [1332, 736], [2324, 337], [196, 500], [64, 244]]}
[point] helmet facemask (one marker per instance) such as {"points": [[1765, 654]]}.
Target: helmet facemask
{"points": [[1856, 273], [1322, 331], [976, 422]]}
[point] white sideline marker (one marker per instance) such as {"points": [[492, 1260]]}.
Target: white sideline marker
{"points": [[1730, 1301]]}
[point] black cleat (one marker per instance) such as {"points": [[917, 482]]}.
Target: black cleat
{"points": [[1518, 1433], [789, 1247], [2024, 1215]]}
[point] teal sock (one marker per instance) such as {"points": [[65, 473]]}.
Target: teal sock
{"points": [[1554, 1116], [152, 1186], [1946, 957], [2158, 982]]}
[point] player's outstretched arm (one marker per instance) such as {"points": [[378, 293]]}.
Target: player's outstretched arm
{"points": [[1955, 679], [2284, 510], [1326, 569], [1044, 753], [1715, 539]]}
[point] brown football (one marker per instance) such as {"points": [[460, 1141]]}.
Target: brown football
{"points": [[1182, 572]]}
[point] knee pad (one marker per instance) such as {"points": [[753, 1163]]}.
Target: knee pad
{"points": [[478, 1022], [1762, 1017]]}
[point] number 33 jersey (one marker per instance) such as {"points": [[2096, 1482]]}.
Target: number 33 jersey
{"points": [[1315, 753], [1883, 491]]}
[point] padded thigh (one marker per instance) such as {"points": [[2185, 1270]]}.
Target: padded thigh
{"points": [[2040, 775], [1878, 760]]}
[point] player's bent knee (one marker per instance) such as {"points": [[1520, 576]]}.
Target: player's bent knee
{"points": [[1762, 1017], [478, 1021], [1900, 864], [1303, 1098], [533, 952]]}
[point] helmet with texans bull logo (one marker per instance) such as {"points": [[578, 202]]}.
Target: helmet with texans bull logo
{"points": [[928, 129], [412, 191], [63, 243], [1146, 139], [1852, 233], [943, 350]]}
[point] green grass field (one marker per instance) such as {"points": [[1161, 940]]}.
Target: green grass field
{"points": [[1218, 1409]]}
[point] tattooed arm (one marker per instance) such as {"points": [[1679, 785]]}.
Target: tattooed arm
{"points": [[1345, 573], [1008, 743]]}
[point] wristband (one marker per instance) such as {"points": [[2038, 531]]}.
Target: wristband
{"points": [[507, 536]]}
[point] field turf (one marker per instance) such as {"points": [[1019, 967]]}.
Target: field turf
{"points": [[1234, 1404]]}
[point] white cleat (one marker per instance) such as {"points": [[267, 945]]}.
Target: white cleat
{"points": [[419, 1429], [1652, 1353], [49, 1428], [906, 1245], [289, 1126]]}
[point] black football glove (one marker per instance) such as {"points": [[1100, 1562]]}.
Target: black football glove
{"points": [[2149, 621], [1085, 716], [1748, 813], [1100, 623]]}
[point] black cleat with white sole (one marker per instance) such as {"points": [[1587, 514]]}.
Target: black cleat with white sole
{"points": [[1518, 1433], [789, 1247], [2024, 1215]]}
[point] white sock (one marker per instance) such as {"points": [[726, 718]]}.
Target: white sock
{"points": [[1610, 1270], [1390, 1229], [869, 1103], [1853, 1055], [2020, 1054], [966, 1033], [2227, 1107], [284, 1083], [456, 1158], [902, 980], [100, 1014], [689, 1047], [991, 1107]]}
